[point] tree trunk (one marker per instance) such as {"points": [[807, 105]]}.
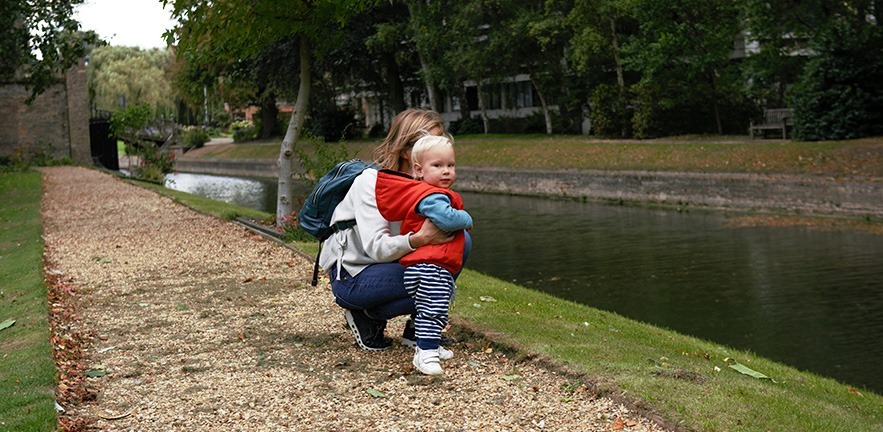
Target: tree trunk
{"points": [[546, 114], [715, 104], [616, 60], [465, 113], [481, 106], [295, 125], [269, 113], [415, 9], [430, 89], [395, 87]]}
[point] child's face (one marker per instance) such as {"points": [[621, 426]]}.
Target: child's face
{"points": [[437, 167]]}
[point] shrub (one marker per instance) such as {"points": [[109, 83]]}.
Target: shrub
{"points": [[840, 94], [243, 130], [194, 137], [611, 112]]}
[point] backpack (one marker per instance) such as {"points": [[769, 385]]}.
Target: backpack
{"points": [[315, 215]]}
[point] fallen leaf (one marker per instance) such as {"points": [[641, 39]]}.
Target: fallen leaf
{"points": [[855, 392], [739, 367], [7, 324], [618, 424], [511, 377], [487, 299], [376, 393]]}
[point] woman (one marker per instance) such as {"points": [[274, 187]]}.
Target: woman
{"points": [[365, 278]]}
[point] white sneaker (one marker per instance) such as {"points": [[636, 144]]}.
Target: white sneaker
{"points": [[444, 353], [427, 361]]}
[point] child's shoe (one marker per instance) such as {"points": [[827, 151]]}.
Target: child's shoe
{"points": [[427, 361], [444, 353]]}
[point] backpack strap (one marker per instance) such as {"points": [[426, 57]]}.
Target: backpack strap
{"points": [[336, 227]]}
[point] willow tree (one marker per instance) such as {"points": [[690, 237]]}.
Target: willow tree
{"points": [[230, 31]]}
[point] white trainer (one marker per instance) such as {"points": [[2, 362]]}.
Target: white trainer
{"points": [[444, 353], [427, 361]]}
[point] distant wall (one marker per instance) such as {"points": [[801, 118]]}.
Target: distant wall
{"points": [[57, 122]]}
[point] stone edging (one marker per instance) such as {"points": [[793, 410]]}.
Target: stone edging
{"points": [[755, 192], [777, 193]]}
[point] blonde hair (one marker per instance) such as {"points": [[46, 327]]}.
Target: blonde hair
{"points": [[428, 142], [407, 127]]}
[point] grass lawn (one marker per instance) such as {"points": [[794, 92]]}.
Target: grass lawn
{"points": [[27, 370], [685, 380], [863, 157]]}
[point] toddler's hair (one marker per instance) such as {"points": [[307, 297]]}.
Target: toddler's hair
{"points": [[427, 142]]}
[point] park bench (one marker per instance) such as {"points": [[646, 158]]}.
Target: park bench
{"points": [[773, 119]]}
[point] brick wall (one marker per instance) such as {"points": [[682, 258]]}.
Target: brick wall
{"points": [[56, 122]]}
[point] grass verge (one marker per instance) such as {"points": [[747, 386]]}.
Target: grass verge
{"points": [[682, 379], [27, 370], [862, 157]]}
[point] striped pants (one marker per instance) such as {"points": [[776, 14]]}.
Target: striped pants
{"points": [[432, 287]]}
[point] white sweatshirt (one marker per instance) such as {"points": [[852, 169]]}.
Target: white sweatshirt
{"points": [[371, 241]]}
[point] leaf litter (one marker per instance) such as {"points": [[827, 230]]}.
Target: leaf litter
{"points": [[250, 351]]}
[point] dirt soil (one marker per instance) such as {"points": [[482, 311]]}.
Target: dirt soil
{"points": [[185, 322]]}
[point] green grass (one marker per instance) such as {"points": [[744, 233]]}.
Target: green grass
{"points": [[682, 378], [27, 370], [862, 157]]}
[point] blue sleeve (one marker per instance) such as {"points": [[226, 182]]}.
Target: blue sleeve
{"points": [[437, 208]]}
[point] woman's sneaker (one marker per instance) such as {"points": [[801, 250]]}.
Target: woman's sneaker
{"points": [[427, 362], [367, 331]]}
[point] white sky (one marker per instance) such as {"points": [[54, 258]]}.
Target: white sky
{"points": [[138, 23]]}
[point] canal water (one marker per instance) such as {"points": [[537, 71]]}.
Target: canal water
{"points": [[809, 298]]}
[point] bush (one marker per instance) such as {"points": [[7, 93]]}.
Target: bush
{"points": [[194, 137], [840, 94], [611, 112], [243, 130]]}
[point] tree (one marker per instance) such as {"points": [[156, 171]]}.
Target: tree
{"points": [[840, 93], [139, 76], [232, 30], [40, 40], [695, 40]]}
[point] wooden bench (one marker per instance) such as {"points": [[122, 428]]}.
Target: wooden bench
{"points": [[773, 119]]}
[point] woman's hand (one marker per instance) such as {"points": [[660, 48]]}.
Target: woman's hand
{"points": [[429, 234]]}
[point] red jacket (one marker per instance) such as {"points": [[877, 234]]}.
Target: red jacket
{"points": [[397, 199]]}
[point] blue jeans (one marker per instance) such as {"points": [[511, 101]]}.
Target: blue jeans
{"points": [[379, 289]]}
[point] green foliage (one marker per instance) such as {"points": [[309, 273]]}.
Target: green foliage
{"points": [[152, 163], [323, 158], [840, 94], [612, 112], [243, 130], [39, 41], [139, 76], [128, 121], [194, 137]]}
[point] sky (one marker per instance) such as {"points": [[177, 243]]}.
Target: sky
{"points": [[138, 23]]}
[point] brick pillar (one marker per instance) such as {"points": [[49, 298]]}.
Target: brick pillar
{"points": [[78, 113]]}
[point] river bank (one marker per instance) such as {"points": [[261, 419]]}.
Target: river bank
{"points": [[857, 198]]}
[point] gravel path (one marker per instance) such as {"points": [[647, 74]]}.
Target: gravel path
{"points": [[199, 324]]}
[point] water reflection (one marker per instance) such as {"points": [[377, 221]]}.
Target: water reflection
{"points": [[811, 299], [256, 193]]}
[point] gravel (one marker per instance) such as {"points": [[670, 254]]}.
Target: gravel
{"points": [[199, 324]]}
